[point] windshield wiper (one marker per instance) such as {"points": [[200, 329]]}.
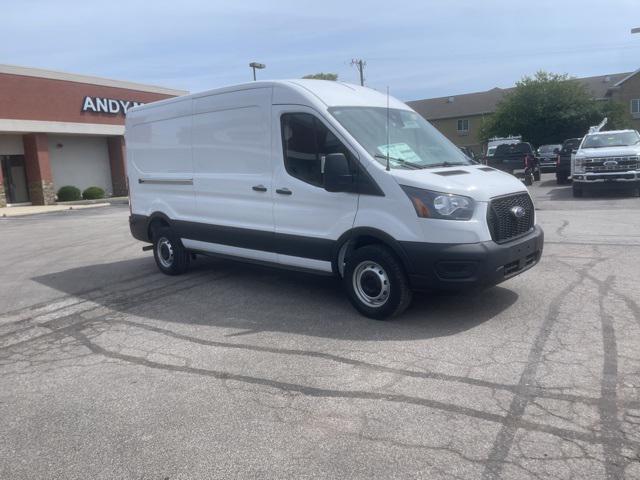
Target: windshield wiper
{"points": [[445, 164], [399, 160]]}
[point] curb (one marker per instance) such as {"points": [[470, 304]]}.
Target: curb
{"points": [[61, 208], [111, 201]]}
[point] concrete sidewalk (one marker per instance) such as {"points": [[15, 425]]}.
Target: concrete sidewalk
{"points": [[19, 211]]}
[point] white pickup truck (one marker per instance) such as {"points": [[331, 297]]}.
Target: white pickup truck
{"points": [[607, 159]]}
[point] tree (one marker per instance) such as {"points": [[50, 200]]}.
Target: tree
{"points": [[322, 76], [549, 108]]}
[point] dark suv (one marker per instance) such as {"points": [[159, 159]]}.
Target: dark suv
{"points": [[563, 161], [547, 156], [517, 159]]}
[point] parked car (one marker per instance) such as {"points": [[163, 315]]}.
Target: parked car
{"points": [[300, 174], [607, 159], [563, 160], [547, 157], [517, 159]]}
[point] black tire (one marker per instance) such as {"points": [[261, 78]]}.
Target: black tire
{"points": [[170, 255], [528, 180], [577, 191], [562, 179], [536, 175], [366, 270]]}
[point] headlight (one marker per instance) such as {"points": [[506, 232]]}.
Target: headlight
{"points": [[578, 165], [444, 206]]}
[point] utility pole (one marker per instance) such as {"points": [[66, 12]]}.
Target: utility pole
{"points": [[360, 64]]}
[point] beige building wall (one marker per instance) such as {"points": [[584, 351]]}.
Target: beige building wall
{"points": [[449, 127], [628, 91]]}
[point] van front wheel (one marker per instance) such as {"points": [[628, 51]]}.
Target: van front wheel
{"points": [[170, 255], [376, 283]]}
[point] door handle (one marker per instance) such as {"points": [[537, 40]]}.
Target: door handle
{"points": [[259, 188], [284, 191]]}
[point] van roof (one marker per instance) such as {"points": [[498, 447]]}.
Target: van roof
{"points": [[328, 92]]}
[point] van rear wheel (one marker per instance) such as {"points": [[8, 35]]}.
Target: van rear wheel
{"points": [[376, 283], [170, 255]]}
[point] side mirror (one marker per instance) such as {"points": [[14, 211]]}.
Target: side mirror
{"points": [[337, 177]]}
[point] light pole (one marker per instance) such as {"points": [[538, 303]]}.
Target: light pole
{"points": [[256, 66]]}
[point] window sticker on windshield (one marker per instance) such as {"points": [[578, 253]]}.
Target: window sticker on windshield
{"points": [[410, 124], [401, 151]]}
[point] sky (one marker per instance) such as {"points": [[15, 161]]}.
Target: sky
{"points": [[419, 49]]}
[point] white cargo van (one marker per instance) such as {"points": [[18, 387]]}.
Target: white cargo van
{"points": [[325, 177]]}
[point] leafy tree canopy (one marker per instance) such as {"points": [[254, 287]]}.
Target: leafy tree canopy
{"points": [[322, 76], [549, 108]]}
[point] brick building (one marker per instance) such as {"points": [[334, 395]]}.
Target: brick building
{"points": [[61, 129], [460, 117]]}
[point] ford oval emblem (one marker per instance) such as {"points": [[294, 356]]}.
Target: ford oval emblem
{"points": [[518, 211], [610, 163]]}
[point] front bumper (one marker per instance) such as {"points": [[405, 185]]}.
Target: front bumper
{"points": [[629, 177], [434, 266], [547, 167]]}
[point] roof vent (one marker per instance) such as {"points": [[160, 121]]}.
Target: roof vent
{"points": [[450, 99]]}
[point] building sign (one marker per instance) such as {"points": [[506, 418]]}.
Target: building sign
{"points": [[108, 105]]}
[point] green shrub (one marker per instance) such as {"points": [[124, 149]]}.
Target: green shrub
{"points": [[93, 193], [68, 194]]}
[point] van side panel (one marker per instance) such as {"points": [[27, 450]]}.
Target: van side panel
{"points": [[231, 154], [159, 160]]}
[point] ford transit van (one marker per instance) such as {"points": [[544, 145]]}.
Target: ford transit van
{"points": [[325, 177]]}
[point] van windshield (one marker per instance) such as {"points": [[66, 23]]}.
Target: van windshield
{"points": [[412, 142]]}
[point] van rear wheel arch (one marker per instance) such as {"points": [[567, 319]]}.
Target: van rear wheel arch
{"points": [[157, 221]]}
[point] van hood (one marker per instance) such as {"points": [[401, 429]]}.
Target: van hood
{"points": [[476, 181], [608, 152]]}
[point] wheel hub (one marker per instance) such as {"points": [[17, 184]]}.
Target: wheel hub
{"points": [[165, 252], [371, 284]]}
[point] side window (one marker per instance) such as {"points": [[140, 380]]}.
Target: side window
{"points": [[463, 126], [306, 140]]}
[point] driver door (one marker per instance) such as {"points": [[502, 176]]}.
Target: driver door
{"points": [[308, 219]]}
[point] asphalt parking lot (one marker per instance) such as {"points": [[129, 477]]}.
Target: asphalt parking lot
{"points": [[109, 369]]}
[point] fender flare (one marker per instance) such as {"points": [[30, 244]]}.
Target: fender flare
{"points": [[382, 237], [157, 216]]}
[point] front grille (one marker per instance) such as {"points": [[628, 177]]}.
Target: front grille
{"points": [[613, 164], [503, 224]]}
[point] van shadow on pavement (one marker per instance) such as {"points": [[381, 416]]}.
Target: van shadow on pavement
{"points": [[250, 298]]}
